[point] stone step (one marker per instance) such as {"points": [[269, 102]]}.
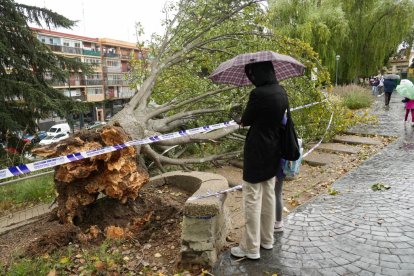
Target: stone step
{"points": [[336, 147], [318, 159], [351, 139]]}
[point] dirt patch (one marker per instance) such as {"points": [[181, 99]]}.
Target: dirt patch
{"points": [[149, 229]]}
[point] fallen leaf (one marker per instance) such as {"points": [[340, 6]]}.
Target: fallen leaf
{"points": [[52, 272], [64, 260]]}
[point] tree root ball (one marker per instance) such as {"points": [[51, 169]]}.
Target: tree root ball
{"points": [[78, 184]]}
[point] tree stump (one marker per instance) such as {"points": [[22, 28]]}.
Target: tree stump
{"points": [[78, 184]]}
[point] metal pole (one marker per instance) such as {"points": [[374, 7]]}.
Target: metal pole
{"points": [[336, 73], [336, 70]]}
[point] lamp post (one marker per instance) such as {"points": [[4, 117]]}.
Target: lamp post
{"points": [[336, 69]]}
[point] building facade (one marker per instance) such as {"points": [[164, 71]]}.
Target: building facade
{"points": [[107, 87]]}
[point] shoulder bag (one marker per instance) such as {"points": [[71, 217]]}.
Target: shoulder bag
{"points": [[290, 148]]}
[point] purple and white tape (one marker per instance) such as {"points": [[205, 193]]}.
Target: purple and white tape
{"points": [[53, 162], [49, 163]]}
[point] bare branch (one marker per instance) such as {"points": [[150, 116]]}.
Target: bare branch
{"points": [[159, 159], [175, 105], [202, 137], [221, 20], [190, 114]]}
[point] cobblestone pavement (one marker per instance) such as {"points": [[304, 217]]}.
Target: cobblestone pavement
{"points": [[357, 232]]}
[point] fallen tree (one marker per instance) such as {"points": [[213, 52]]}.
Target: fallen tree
{"points": [[78, 184]]}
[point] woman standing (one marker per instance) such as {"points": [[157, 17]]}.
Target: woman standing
{"points": [[264, 113]]}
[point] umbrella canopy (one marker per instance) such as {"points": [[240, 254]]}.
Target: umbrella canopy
{"points": [[406, 90], [232, 71], [406, 82], [391, 77]]}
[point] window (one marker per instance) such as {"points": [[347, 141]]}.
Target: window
{"points": [[77, 44], [66, 44], [93, 60], [112, 63], [94, 90]]}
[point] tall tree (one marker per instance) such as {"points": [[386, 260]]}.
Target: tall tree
{"points": [[363, 33], [26, 67], [174, 89]]}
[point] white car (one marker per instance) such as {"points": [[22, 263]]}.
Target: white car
{"points": [[53, 139]]}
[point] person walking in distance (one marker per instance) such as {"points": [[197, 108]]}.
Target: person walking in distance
{"points": [[409, 107], [262, 153], [389, 86], [381, 85]]}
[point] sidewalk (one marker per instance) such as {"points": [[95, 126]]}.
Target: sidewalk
{"points": [[358, 231]]}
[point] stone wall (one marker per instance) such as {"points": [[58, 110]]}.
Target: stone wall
{"points": [[206, 221]]}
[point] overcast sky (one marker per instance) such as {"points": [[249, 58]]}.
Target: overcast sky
{"points": [[110, 19]]}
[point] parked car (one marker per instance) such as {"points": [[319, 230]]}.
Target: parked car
{"points": [[96, 124], [57, 129], [53, 138], [34, 138]]}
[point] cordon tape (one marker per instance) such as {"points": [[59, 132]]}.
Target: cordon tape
{"points": [[53, 162]]}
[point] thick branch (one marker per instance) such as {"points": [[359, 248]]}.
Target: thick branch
{"points": [[175, 105], [159, 159], [202, 137]]}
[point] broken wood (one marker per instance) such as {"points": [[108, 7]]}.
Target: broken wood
{"points": [[78, 184]]}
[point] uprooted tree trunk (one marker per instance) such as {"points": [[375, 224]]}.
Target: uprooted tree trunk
{"points": [[78, 184], [195, 30]]}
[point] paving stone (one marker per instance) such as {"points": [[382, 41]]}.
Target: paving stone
{"points": [[320, 159], [351, 139], [337, 148]]}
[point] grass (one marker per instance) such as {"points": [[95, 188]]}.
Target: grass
{"points": [[27, 192], [104, 259], [354, 96]]}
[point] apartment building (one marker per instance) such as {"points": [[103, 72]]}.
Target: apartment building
{"points": [[107, 87]]}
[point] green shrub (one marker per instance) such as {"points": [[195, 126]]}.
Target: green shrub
{"points": [[354, 96]]}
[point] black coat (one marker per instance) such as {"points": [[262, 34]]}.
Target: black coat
{"points": [[389, 85], [264, 113]]}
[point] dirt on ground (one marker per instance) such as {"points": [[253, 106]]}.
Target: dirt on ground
{"points": [[148, 229]]}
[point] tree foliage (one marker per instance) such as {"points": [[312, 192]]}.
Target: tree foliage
{"points": [[174, 89], [363, 33], [26, 67]]}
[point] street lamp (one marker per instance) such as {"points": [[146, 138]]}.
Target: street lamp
{"points": [[336, 69]]}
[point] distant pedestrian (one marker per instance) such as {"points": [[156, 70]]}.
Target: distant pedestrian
{"points": [[381, 84], [389, 86], [409, 106], [374, 85]]}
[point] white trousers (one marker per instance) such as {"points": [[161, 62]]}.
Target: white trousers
{"points": [[259, 213]]}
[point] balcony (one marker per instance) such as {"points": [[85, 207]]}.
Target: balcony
{"points": [[112, 69], [93, 82], [111, 55], [95, 97], [91, 53], [125, 57], [71, 50], [116, 82], [55, 48]]}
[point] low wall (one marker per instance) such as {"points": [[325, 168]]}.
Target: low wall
{"points": [[206, 221]]}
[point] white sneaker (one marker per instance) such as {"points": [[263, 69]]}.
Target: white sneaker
{"points": [[239, 253], [278, 227], [267, 246]]}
